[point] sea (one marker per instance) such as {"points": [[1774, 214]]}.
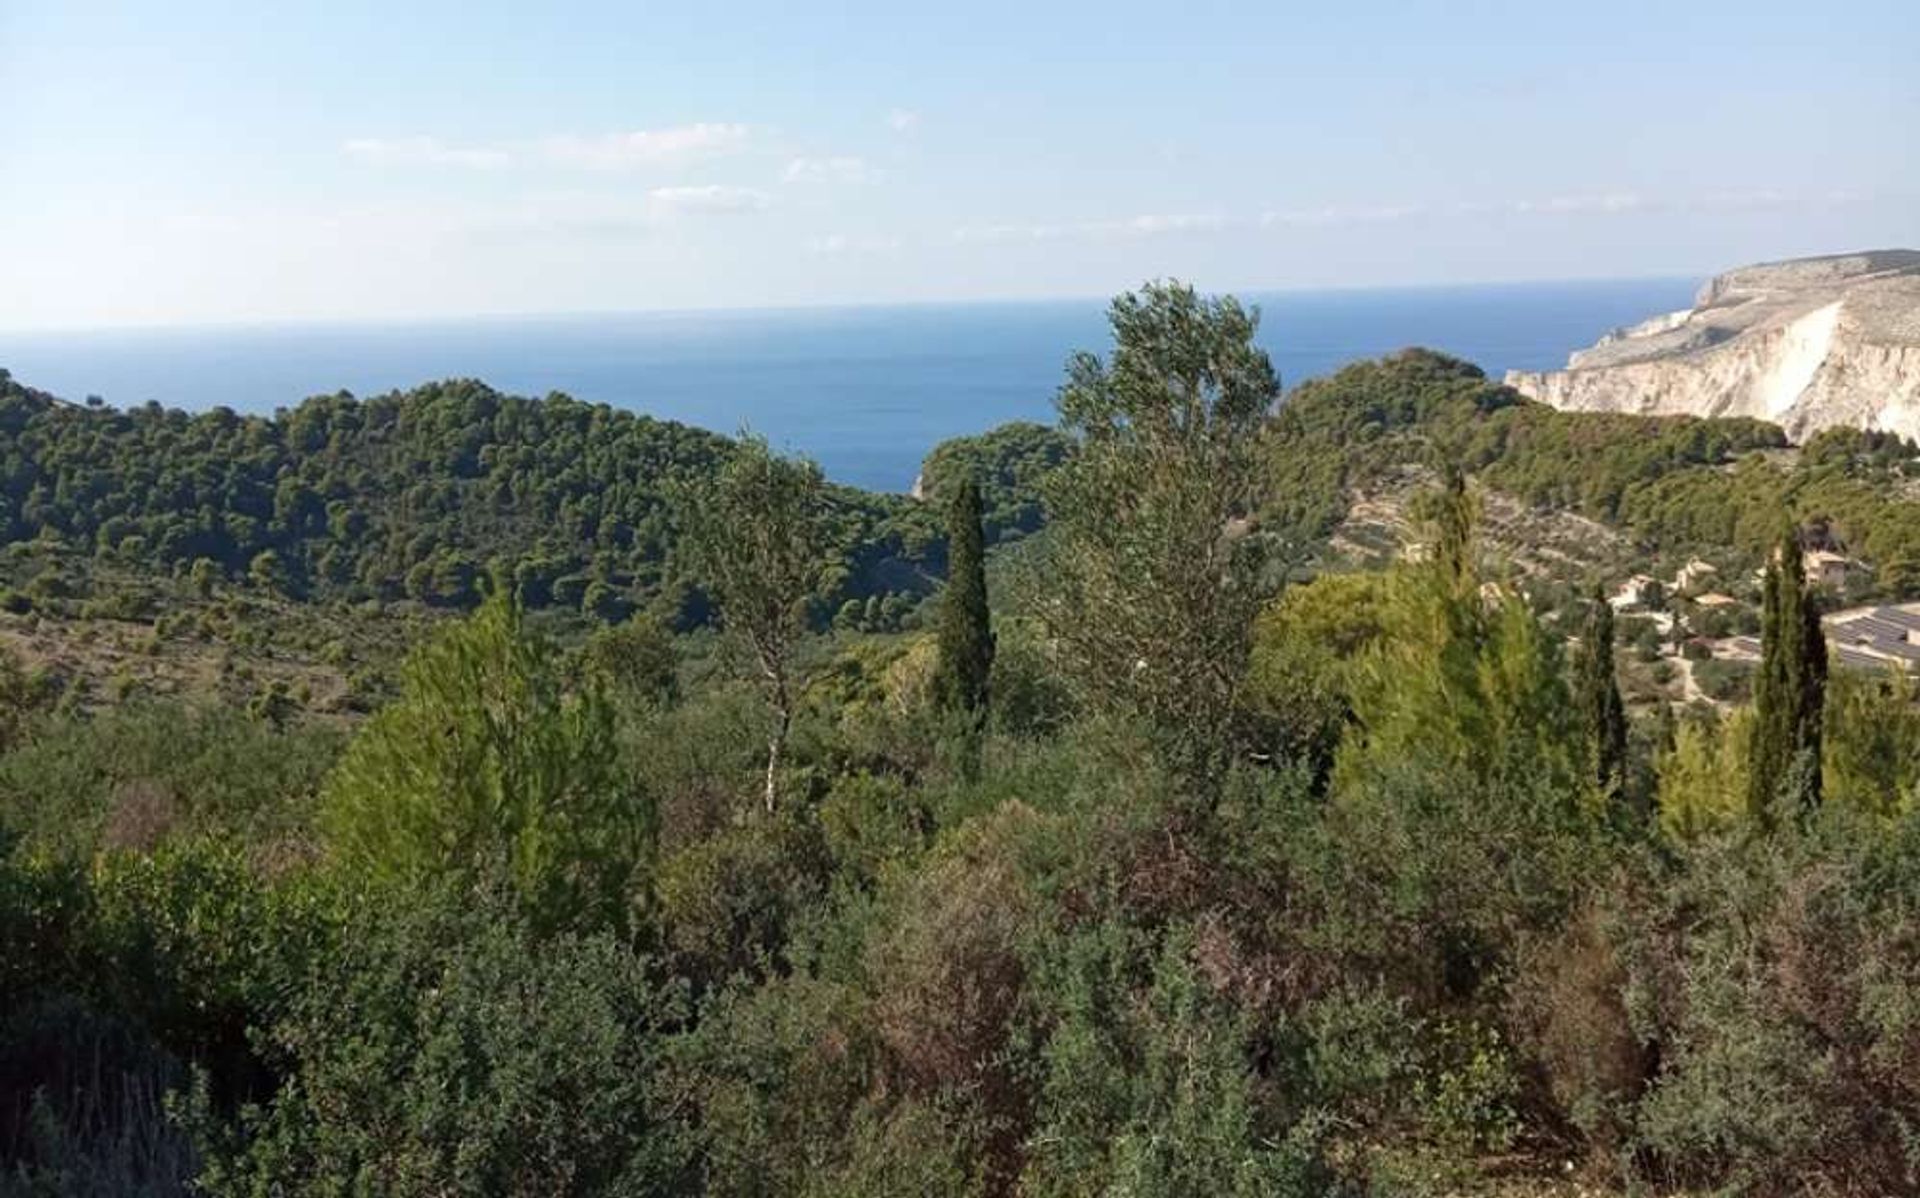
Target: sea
{"points": [[865, 391]]}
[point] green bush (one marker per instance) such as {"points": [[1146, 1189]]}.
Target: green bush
{"points": [[483, 760], [772, 1078], [133, 777], [728, 903], [1148, 1082], [1727, 681], [444, 1047], [1782, 988]]}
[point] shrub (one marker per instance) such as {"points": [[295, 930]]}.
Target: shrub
{"points": [[1569, 1002], [137, 775], [772, 1078], [1784, 978], [1029, 698], [445, 1048], [1148, 1081], [726, 904], [1726, 681], [873, 821], [1703, 776], [636, 659]]}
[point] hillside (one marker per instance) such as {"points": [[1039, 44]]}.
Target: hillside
{"points": [[1672, 486], [155, 552], [1349, 853], [410, 496], [1810, 344]]}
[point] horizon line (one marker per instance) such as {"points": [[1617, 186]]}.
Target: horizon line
{"points": [[563, 314]]}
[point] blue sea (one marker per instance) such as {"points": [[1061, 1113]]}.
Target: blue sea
{"points": [[865, 391]]}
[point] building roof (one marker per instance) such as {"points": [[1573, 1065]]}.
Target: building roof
{"points": [[1872, 637], [1904, 617], [1694, 569], [1858, 659]]}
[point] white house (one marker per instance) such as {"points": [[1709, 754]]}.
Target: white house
{"points": [[1633, 592], [1829, 569], [1691, 574]]}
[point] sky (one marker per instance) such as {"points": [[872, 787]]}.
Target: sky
{"points": [[188, 162]]}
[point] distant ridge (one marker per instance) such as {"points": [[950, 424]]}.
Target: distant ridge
{"points": [[1808, 343]]}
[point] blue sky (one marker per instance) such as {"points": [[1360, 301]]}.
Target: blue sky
{"points": [[195, 162]]}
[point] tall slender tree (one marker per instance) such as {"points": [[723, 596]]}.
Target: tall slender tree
{"points": [[1597, 690], [754, 536], [966, 629], [1789, 694]]}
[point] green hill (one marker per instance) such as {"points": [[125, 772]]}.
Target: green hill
{"points": [[415, 495]]}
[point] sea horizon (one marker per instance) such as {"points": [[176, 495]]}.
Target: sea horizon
{"points": [[865, 389], [696, 310]]}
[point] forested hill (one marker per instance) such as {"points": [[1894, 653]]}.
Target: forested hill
{"points": [[421, 494], [1673, 484], [1417, 406], [409, 495]]}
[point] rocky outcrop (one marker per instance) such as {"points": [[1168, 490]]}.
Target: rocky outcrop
{"points": [[1807, 344]]}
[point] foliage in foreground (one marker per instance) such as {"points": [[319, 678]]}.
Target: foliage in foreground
{"points": [[483, 762], [540, 933]]}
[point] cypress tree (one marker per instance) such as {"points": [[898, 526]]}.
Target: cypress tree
{"points": [[1602, 711], [1453, 519], [966, 631], [1789, 694]]}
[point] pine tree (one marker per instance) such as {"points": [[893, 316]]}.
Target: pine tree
{"points": [[1789, 693], [966, 631], [1602, 711], [486, 758]]}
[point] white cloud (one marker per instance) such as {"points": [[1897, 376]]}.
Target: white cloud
{"points": [[707, 199], [902, 119], [848, 243], [1613, 201], [831, 170], [1597, 204], [1337, 214], [644, 147], [1149, 225], [605, 151], [423, 151], [1762, 198]]}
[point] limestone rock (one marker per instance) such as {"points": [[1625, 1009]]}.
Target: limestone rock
{"points": [[1808, 344]]}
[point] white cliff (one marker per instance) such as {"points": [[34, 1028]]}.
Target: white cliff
{"points": [[1807, 344]]}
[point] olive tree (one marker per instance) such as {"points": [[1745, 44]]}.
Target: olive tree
{"points": [[1156, 569]]}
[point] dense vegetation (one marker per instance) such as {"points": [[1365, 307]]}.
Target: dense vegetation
{"points": [[1673, 483], [420, 495], [1165, 874], [1009, 464], [1418, 406]]}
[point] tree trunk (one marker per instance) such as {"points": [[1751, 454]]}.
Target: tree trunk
{"points": [[777, 745]]}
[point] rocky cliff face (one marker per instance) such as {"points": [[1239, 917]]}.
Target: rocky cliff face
{"points": [[1807, 344]]}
